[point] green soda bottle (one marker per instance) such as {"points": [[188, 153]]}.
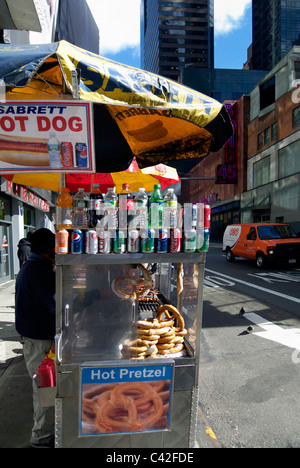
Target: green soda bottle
{"points": [[156, 208]]}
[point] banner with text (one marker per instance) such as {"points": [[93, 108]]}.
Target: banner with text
{"points": [[44, 136], [126, 398]]}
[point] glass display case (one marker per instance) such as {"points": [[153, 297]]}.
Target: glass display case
{"points": [[132, 322]]}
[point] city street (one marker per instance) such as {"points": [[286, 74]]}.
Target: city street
{"points": [[249, 389]]}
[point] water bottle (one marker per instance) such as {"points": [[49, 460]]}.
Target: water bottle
{"points": [[80, 206], [141, 209], [111, 208], [170, 210], [95, 212], [54, 152], [155, 208]]}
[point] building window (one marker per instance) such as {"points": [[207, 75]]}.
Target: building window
{"points": [[267, 93], [289, 161], [29, 217], [5, 211], [296, 117], [297, 70], [260, 140], [274, 131], [267, 136], [261, 172]]}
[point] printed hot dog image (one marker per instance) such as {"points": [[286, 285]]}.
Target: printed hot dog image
{"points": [[24, 151], [125, 407], [152, 132]]}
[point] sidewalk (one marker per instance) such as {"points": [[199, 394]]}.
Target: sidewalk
{"points": [[15, 385]]}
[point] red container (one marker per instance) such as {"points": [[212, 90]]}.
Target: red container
{"points": [[175, 240], [67, 154], [207, 212], [45, 376]]}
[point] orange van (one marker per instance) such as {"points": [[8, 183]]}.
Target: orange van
{"points": [[263, 242]]}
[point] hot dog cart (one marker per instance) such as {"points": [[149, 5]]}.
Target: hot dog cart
{"points": [[103, 302]]}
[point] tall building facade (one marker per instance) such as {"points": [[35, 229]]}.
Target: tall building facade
{"points": [[176, 34], [275, 30]]}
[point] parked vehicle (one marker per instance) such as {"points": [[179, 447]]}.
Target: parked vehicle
{"points": [[263, 242]]}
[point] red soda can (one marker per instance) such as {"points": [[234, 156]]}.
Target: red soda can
{"points": [[91, 242], [62, 242], [175, 240], [67, 154], [207, 212]]}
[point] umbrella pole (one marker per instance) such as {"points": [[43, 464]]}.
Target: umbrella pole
{"points": [[62, 183], [92, 182]]}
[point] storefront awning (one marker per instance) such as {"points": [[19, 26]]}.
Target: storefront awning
{"points": [[19, 14]]}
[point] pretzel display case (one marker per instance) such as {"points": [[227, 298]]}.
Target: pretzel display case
{"points": [[121, 318]]}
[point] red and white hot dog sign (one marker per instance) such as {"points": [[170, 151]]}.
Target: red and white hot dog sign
{"points": [[45, 136]]}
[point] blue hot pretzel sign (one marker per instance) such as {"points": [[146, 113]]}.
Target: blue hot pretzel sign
{"points": [[122, 399]]}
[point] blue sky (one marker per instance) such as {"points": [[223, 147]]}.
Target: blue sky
{"points": [[119, 24]]}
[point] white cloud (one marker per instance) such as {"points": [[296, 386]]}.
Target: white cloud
{"points": [[229, 15], [118, 22]]}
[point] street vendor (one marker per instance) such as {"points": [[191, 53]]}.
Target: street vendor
{"points": [[35, 322]]}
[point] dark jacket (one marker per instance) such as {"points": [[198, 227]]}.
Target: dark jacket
{"points": [[35, 299], [24, 249]]}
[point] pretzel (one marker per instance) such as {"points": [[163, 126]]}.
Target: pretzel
{"points": [[165, 309], [174, 349], [124, 286], [180, 274], [179, 332], [162, 346], [150, 338], [155, 323], [147, 393], [155, 331], [106, 417], [90, 398]]}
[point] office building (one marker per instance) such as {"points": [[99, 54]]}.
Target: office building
{"points": [[275, 29], [176, 34], [221, 84]]}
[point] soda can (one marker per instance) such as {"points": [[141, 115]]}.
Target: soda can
{"points": [[189, 240], [76, 241], [104, 241], [91, 242], [147, 240], [205, 244], [207, 212], [67, 154], [162, 241], [119, 242], [81, 155], [133, 241], [175, 240], [62, 242]]}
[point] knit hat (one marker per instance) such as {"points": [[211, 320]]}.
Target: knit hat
{"points": [[43, 241]]}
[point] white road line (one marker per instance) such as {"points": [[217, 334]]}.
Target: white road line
{"points": [[286, 337], [250, 285]]}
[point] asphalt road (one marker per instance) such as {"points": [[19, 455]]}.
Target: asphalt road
{"points": [[250, 380]]}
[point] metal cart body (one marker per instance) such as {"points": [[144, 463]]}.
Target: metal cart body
{"points": [[92, 323]]}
